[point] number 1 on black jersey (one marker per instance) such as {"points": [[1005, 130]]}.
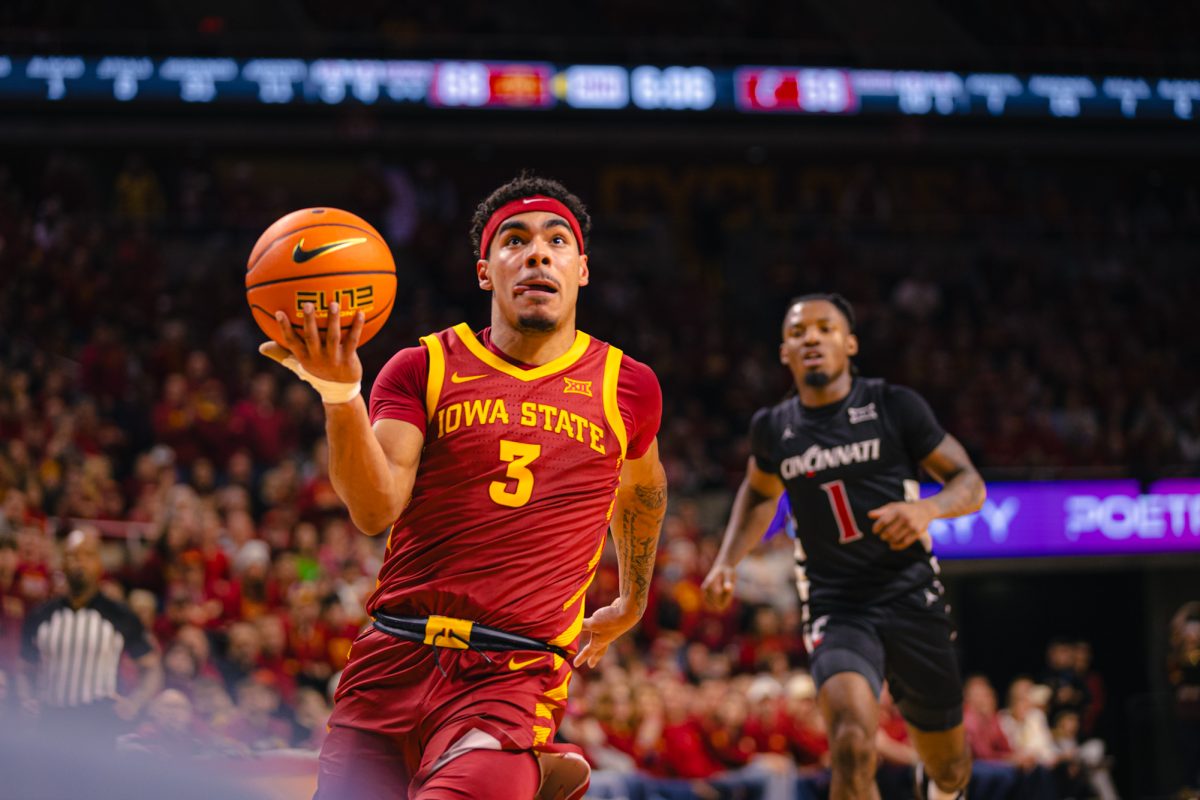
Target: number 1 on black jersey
{"points": [[842, 513]]}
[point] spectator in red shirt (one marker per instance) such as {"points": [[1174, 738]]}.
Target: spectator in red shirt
{"points": [[307, 637], [273, 656], [991, 747], [258, 422], [981, 722], [33, 580], [804, 724], [317, 500], [726, 734], [174, 420], [684, 751]]}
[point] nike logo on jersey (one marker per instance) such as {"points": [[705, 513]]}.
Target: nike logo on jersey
{"points": [[515, 665], [300, 255], [787, 434], [456, 378], [816, 459], [863, 414]]}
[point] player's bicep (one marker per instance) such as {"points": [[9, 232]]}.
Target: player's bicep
{"points": [[948, 459], [646, 477], [766, 485], [402, 443]]}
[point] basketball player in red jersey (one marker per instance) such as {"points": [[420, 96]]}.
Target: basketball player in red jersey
{"points": [[496, 460]]}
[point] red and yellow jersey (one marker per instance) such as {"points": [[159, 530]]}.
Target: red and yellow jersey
{"points": [[514, 490]]}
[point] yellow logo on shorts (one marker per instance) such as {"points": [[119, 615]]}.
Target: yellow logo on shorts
{"points": [[515, 665]]}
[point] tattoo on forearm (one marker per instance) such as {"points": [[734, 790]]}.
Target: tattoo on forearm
{"points": [[958, 493], [651, 496], [637, 555]]}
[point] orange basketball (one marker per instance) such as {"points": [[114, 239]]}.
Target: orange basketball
{"points": [[321, 256]]}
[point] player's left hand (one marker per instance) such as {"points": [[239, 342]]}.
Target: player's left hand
{"points": [[602, 629], [901, 524]]}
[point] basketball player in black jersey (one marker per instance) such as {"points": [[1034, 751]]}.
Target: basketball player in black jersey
{"points": [[847, 451]]}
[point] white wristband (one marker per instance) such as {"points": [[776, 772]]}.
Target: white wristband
{"points": [[331, 391]]}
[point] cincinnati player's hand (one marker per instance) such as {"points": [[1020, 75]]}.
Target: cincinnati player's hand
{"points": [[901, 524], [332, 359], [718, 586], [603, 628]]}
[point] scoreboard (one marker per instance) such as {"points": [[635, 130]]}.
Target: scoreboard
{"points": [[542, 86]]}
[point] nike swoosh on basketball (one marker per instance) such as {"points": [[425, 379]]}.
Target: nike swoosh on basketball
{"points": [[456, 378], [515, 665], [300, 255]]}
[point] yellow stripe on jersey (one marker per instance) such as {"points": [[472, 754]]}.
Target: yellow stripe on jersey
{"points": [[579, 593], [596, 558], [568, 636], [437, 374], [612, 372], [578, 348], [591, 575]]}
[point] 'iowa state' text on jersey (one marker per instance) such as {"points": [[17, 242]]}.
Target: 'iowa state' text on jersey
{"points": [[529, 414], [840, 461]]}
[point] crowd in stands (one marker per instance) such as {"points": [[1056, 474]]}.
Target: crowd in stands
{"points": [[132, 400]]}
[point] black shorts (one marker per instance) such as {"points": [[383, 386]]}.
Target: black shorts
{"points": [[908, 641]]}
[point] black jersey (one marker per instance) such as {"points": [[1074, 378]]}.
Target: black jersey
{"points": [[840, 461]]}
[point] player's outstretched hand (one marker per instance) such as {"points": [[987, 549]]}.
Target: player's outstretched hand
{"points": [[330, 359], [331, 365], [718, 586], [602, 629], [901, 524]]}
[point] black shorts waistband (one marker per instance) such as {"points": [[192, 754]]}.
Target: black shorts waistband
{"points": [[458, 634]]}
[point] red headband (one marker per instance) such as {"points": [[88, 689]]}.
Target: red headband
{"points": [[535, 203]]}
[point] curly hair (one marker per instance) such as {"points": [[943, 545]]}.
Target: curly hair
{"points": [[838, 302], [526, 185]]}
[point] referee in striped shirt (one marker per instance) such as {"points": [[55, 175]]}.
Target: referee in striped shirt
{"points": [[74, 646]]}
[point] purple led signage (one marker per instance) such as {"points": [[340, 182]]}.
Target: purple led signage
{"points": [[1074, 518]]}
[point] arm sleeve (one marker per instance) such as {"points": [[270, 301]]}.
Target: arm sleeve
{"points": [[762, 440], [914, 419], [137, 643], [640, 400], [399, 389]]}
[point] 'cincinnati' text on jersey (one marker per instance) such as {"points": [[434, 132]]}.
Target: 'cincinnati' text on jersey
{"points": [[817, 459]]}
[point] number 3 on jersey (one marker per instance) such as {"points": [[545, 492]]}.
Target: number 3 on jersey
{"points": [[842, 513], [519, 455]]}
